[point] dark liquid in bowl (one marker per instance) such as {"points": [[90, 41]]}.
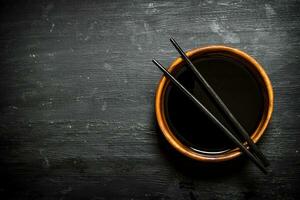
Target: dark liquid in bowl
{"points": [[237, 86]]}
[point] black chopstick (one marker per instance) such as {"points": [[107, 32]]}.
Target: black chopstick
{"points": [[212, 117], [221, 105]]}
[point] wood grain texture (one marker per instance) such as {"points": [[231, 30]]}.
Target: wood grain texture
{"points": [[77, 98]]}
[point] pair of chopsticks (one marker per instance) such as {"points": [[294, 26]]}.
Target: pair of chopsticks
{"points": [[257, 157]]}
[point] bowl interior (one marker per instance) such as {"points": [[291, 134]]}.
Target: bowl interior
{"points": [[237, 79]]}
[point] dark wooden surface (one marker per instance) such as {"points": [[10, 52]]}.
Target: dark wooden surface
{"points": [[77, 98]]}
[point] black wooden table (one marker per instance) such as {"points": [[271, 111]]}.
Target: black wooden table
{"points": [[77, 93]]}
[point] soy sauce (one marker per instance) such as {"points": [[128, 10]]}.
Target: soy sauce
{"points": [[237, 86]]}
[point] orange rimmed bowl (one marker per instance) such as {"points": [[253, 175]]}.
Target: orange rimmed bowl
{"points": [[253, 66]]}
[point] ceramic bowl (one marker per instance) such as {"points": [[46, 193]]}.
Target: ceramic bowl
{"points": [[253, 66]]}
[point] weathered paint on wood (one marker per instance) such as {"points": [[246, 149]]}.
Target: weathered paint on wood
{"points": [[77, 98]]}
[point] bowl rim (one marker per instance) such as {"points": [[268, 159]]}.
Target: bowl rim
{"points": [[233, 153]]}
